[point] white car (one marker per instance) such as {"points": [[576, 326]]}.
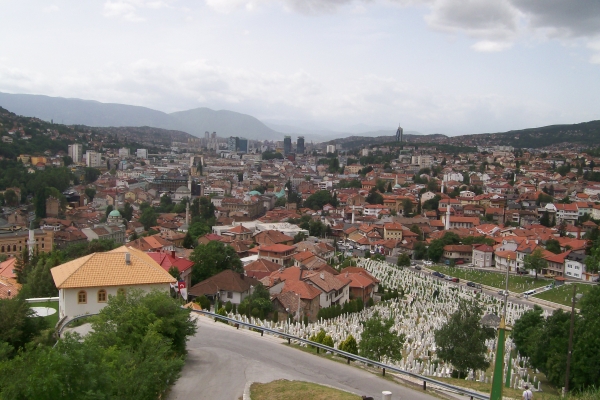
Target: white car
{"points": [[427, 263]]}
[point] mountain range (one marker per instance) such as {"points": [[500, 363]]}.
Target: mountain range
{"points": [[197, 121], [94, 113]]}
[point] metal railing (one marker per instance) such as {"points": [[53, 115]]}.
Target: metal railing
{"points": [[350, 356]]}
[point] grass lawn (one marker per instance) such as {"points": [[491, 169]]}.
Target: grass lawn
{"points": [[297, 390], [52, 319], [563, 294], [517, 284], [547, 393]]}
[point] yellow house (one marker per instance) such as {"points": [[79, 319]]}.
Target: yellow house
{"points": [[85, 284], [392, 230]]}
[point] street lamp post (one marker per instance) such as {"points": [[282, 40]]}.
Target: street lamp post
{"points": [[499, 361]]}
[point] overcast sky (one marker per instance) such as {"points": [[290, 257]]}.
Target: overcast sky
{"points": [[435, 66]]}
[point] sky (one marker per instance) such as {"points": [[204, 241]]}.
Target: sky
{"points": [[434, 66]]}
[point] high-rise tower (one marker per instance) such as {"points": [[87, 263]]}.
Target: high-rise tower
{"points": [[399, 134], [300, 145], [287, 145]]}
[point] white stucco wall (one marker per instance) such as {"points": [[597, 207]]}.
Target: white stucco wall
{"points": [[68, 298]]}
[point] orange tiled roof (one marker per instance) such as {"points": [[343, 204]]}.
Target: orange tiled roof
{"points": [[110, 269]]}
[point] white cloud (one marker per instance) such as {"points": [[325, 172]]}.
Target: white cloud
{"points": [[488, 46], [129, 10]]}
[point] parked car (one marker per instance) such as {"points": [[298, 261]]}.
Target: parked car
{"points": [[474, 285], [460, 262], [417, 267], [503, 292], [448, 278], [455, 280], [470, 265], [427, 263], [438, 274]]}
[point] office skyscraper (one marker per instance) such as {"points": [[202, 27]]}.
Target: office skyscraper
{"points": [[287, 144], [300, 145]]}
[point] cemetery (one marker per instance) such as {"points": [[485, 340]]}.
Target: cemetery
{"points": [[424, 307]]}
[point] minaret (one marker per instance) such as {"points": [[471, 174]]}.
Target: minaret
{"points": [[187, 213], [190, 182], [448, 217], [353, 213], [442, 186], [31, 241]]}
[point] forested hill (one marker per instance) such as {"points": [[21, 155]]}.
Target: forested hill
{"points": [[33, 136], [585, 133]]}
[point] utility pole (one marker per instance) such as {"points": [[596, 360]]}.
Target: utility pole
{"points": [[569, 353], [497, 381]]}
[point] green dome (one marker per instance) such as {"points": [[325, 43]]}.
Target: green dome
{"points": [[115, 213]]}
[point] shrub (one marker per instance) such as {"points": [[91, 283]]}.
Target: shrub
{"points": [[255, 312], [327, 341], [203, 302], [242, 308], [370, 302], [275, 316], [228, 307], [349, 345]]}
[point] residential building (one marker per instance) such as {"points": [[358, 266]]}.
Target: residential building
{"points": [[278, 253], [483, 256], [93, 159], [459, 253], [75, 152], [226, 286], [141, 153], [85, 284]]}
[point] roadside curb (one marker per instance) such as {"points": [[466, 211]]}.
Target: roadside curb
{"points": [[246, 395]]}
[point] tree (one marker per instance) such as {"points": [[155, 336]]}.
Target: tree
{"points": [[91, 174], [299, 237], [420, 250], [407, 207], [553, 246], [349, 345], [586, 351], [389, 187], [188, 241], [148, 218], [174, 272], [379, 339], [18, 327], [535, 261], [545, 219], [562, 228], [126, 319], [67, 160], [317, 200], [415, 229], [526, 329], [403, 260], [211, 258], [90, 192], [10, 198], [374, 197], [127, 212], [592, 261], [461, 341]]}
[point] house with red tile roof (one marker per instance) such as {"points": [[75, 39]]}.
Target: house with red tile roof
{"points": [[277, 253]]}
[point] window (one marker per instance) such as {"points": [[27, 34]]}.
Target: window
{"points": [[230, 295], [101, 296], [82, 297]]}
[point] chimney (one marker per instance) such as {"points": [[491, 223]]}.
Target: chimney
{"points": [[173, 253], [127, 258], [322, 275]]}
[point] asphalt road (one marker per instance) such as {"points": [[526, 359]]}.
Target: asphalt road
{"points": [[221, 360]]}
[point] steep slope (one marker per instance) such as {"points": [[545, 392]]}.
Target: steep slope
{"points": [[225, 123]]}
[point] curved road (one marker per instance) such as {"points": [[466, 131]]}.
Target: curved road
{"points": [[222, 359]]}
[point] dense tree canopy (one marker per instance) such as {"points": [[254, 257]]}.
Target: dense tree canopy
{"points": [[211, 258], [461, 341], [379, 339]]}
